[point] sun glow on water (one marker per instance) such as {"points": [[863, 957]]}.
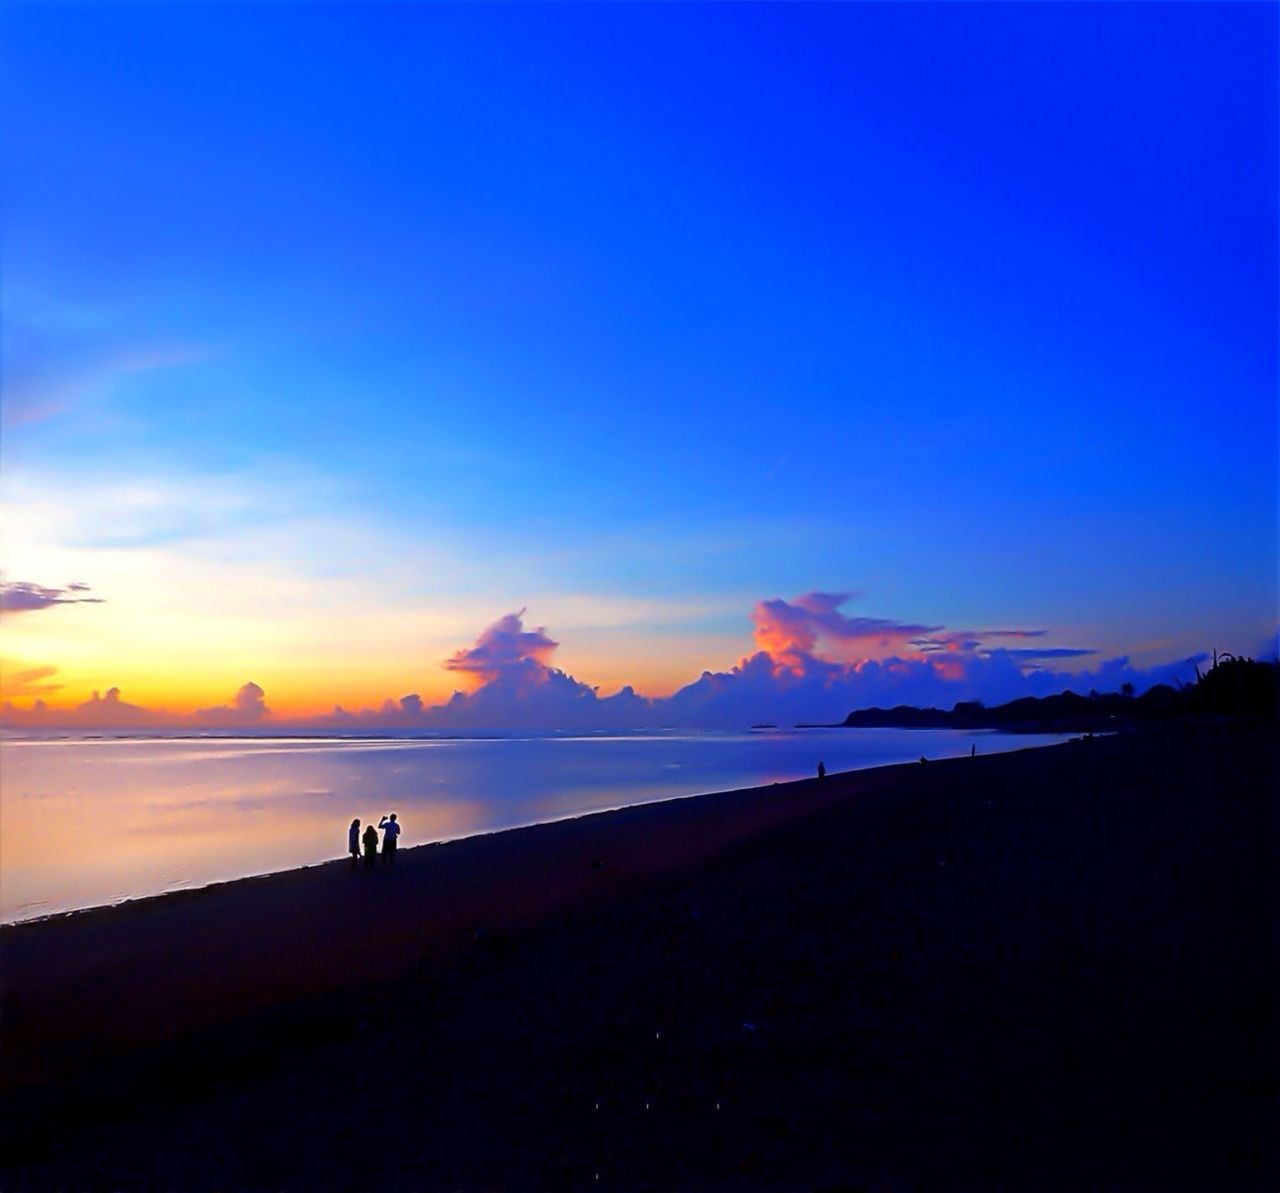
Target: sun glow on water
{"points": [[86, 821]]}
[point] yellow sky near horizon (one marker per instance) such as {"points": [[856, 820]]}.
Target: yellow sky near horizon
{"points": [[183, 660], [325, 611], [184, 624], [180, 672]]}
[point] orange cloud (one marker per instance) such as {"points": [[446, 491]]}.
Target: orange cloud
{"points": [[787, 630], [19, 682]]}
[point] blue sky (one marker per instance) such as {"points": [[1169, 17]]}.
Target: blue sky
{"points": [[655, 310]]}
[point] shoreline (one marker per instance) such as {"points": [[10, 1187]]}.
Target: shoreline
{"points": [[1010, 741], [32, 950], [132, 901], [1020, 957]]}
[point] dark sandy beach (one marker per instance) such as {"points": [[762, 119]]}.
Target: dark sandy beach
{"points": [[1054, 969]]}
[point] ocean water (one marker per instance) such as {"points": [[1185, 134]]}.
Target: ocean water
{"points": [[92, 820]]}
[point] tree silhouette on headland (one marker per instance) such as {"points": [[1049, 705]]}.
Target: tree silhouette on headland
{"points": [[1238, 689]]}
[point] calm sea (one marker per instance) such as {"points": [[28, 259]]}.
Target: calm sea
{"points": [[92, 820]]}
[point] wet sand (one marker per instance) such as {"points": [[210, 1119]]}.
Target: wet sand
{"points": [[1054, 969]]}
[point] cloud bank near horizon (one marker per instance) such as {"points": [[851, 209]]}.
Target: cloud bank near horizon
{"points": [[247, 707], [812, 663]]}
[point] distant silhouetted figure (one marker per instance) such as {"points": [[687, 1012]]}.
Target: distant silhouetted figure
{"points": [[822, 770], [390, 831], [973, 750], [370, 839], [353, 842]]}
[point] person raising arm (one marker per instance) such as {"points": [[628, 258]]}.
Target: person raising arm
{"points": [[390, 832]]}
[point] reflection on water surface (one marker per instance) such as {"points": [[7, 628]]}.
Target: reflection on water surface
{"points": [[86, 821]]}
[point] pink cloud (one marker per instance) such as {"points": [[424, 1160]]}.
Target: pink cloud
{"points": [[786, 630], [517, 687], [505, 651], [792, 677], [815, 661]]}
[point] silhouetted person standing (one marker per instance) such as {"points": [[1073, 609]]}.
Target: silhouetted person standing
{"points": [[390, 831], [822, 770], [370, 839], [353, 842], [973, 750]]}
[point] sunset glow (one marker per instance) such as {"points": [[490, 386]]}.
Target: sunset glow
{"points": [[455, 382], [639, 595]]}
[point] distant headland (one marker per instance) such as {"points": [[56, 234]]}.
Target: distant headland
{"points": [[1233, 688]]}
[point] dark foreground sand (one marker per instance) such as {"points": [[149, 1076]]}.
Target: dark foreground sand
{"points": [[1055, 969]]}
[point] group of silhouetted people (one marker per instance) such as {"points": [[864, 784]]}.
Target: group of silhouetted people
{"points": [[369, 840]]}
